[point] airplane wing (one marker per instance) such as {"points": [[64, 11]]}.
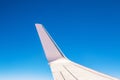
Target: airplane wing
{"points": [[61, 67]]}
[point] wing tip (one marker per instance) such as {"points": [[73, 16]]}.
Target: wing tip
{"points": [[38, 25]]}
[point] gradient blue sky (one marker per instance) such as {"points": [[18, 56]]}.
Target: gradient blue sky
{"points": [[87, 31]]}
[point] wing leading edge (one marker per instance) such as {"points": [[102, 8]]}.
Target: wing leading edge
{"points": [[61, 67]]}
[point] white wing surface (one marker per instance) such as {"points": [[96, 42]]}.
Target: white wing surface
{"points": [[61, 67]]}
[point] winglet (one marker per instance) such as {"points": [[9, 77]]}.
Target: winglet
{"points": [[50, 48]]}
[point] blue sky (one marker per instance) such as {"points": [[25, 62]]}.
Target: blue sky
{"points": [[87, 31]]}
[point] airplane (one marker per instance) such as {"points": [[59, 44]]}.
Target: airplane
{"points": [[61, 67]]}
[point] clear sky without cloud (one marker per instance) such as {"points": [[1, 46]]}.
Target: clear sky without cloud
{"points": [[87, 31]]}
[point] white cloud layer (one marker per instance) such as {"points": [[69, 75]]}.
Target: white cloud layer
{"points": [[24, 77]]}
